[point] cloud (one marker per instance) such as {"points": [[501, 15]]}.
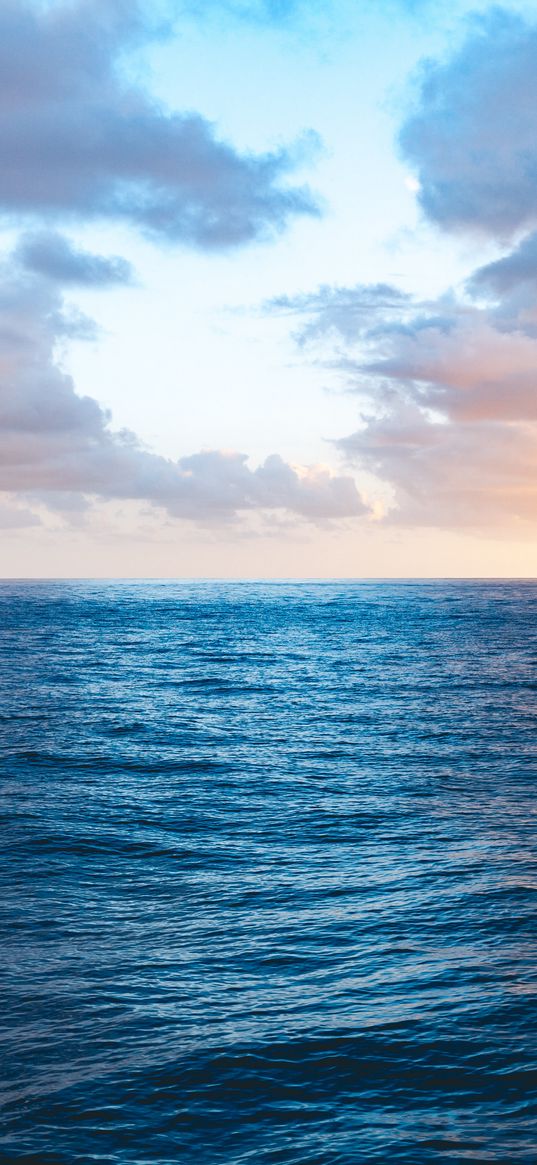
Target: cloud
{"points": [[53, 256], [477, 475], [510, 284], [471, 137], [468, 370], [343, 311], [519, 268], [56, 445], [79, 140], [448, 401], [15, 517], [446, 390]]}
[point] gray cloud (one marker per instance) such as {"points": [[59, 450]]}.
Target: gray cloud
{"points": [[510, 286], [471, 138], [77, 139], [508, 273], [57, 445], [50, 254]]}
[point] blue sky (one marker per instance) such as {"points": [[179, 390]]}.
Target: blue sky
{"points": [[256, 320]]}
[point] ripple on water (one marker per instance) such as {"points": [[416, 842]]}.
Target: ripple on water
{"points": [[269, 872]]}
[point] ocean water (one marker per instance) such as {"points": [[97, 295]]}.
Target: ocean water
{"points": [[268, 873]]}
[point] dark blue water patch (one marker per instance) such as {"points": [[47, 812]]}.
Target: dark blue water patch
{"points": [[269, 872]]}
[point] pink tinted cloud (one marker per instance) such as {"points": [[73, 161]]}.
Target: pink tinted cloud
{"points": [[448, 402]]}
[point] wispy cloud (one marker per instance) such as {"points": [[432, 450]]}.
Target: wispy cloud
{"points": [[448, 401], [339, 311]]}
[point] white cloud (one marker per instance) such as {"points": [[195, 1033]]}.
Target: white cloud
{"points": [[55, 444]]}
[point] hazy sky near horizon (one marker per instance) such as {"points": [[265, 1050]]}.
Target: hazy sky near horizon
{"points": [[268, 294]]}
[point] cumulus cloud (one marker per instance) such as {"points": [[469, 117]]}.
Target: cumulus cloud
{"points": [[58, 446], [78, 139], [471, 138]]}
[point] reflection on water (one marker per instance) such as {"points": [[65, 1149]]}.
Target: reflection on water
{"points": [[269, 872]]}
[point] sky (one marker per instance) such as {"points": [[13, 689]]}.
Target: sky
{"points": [[268, 288]]}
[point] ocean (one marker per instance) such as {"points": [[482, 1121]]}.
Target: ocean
{"points": [[269, 872]]}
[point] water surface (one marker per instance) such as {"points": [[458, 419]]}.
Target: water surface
{"points": [[269, 871]]}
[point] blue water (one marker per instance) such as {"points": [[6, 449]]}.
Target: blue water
{"points": [[269, 870]]}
